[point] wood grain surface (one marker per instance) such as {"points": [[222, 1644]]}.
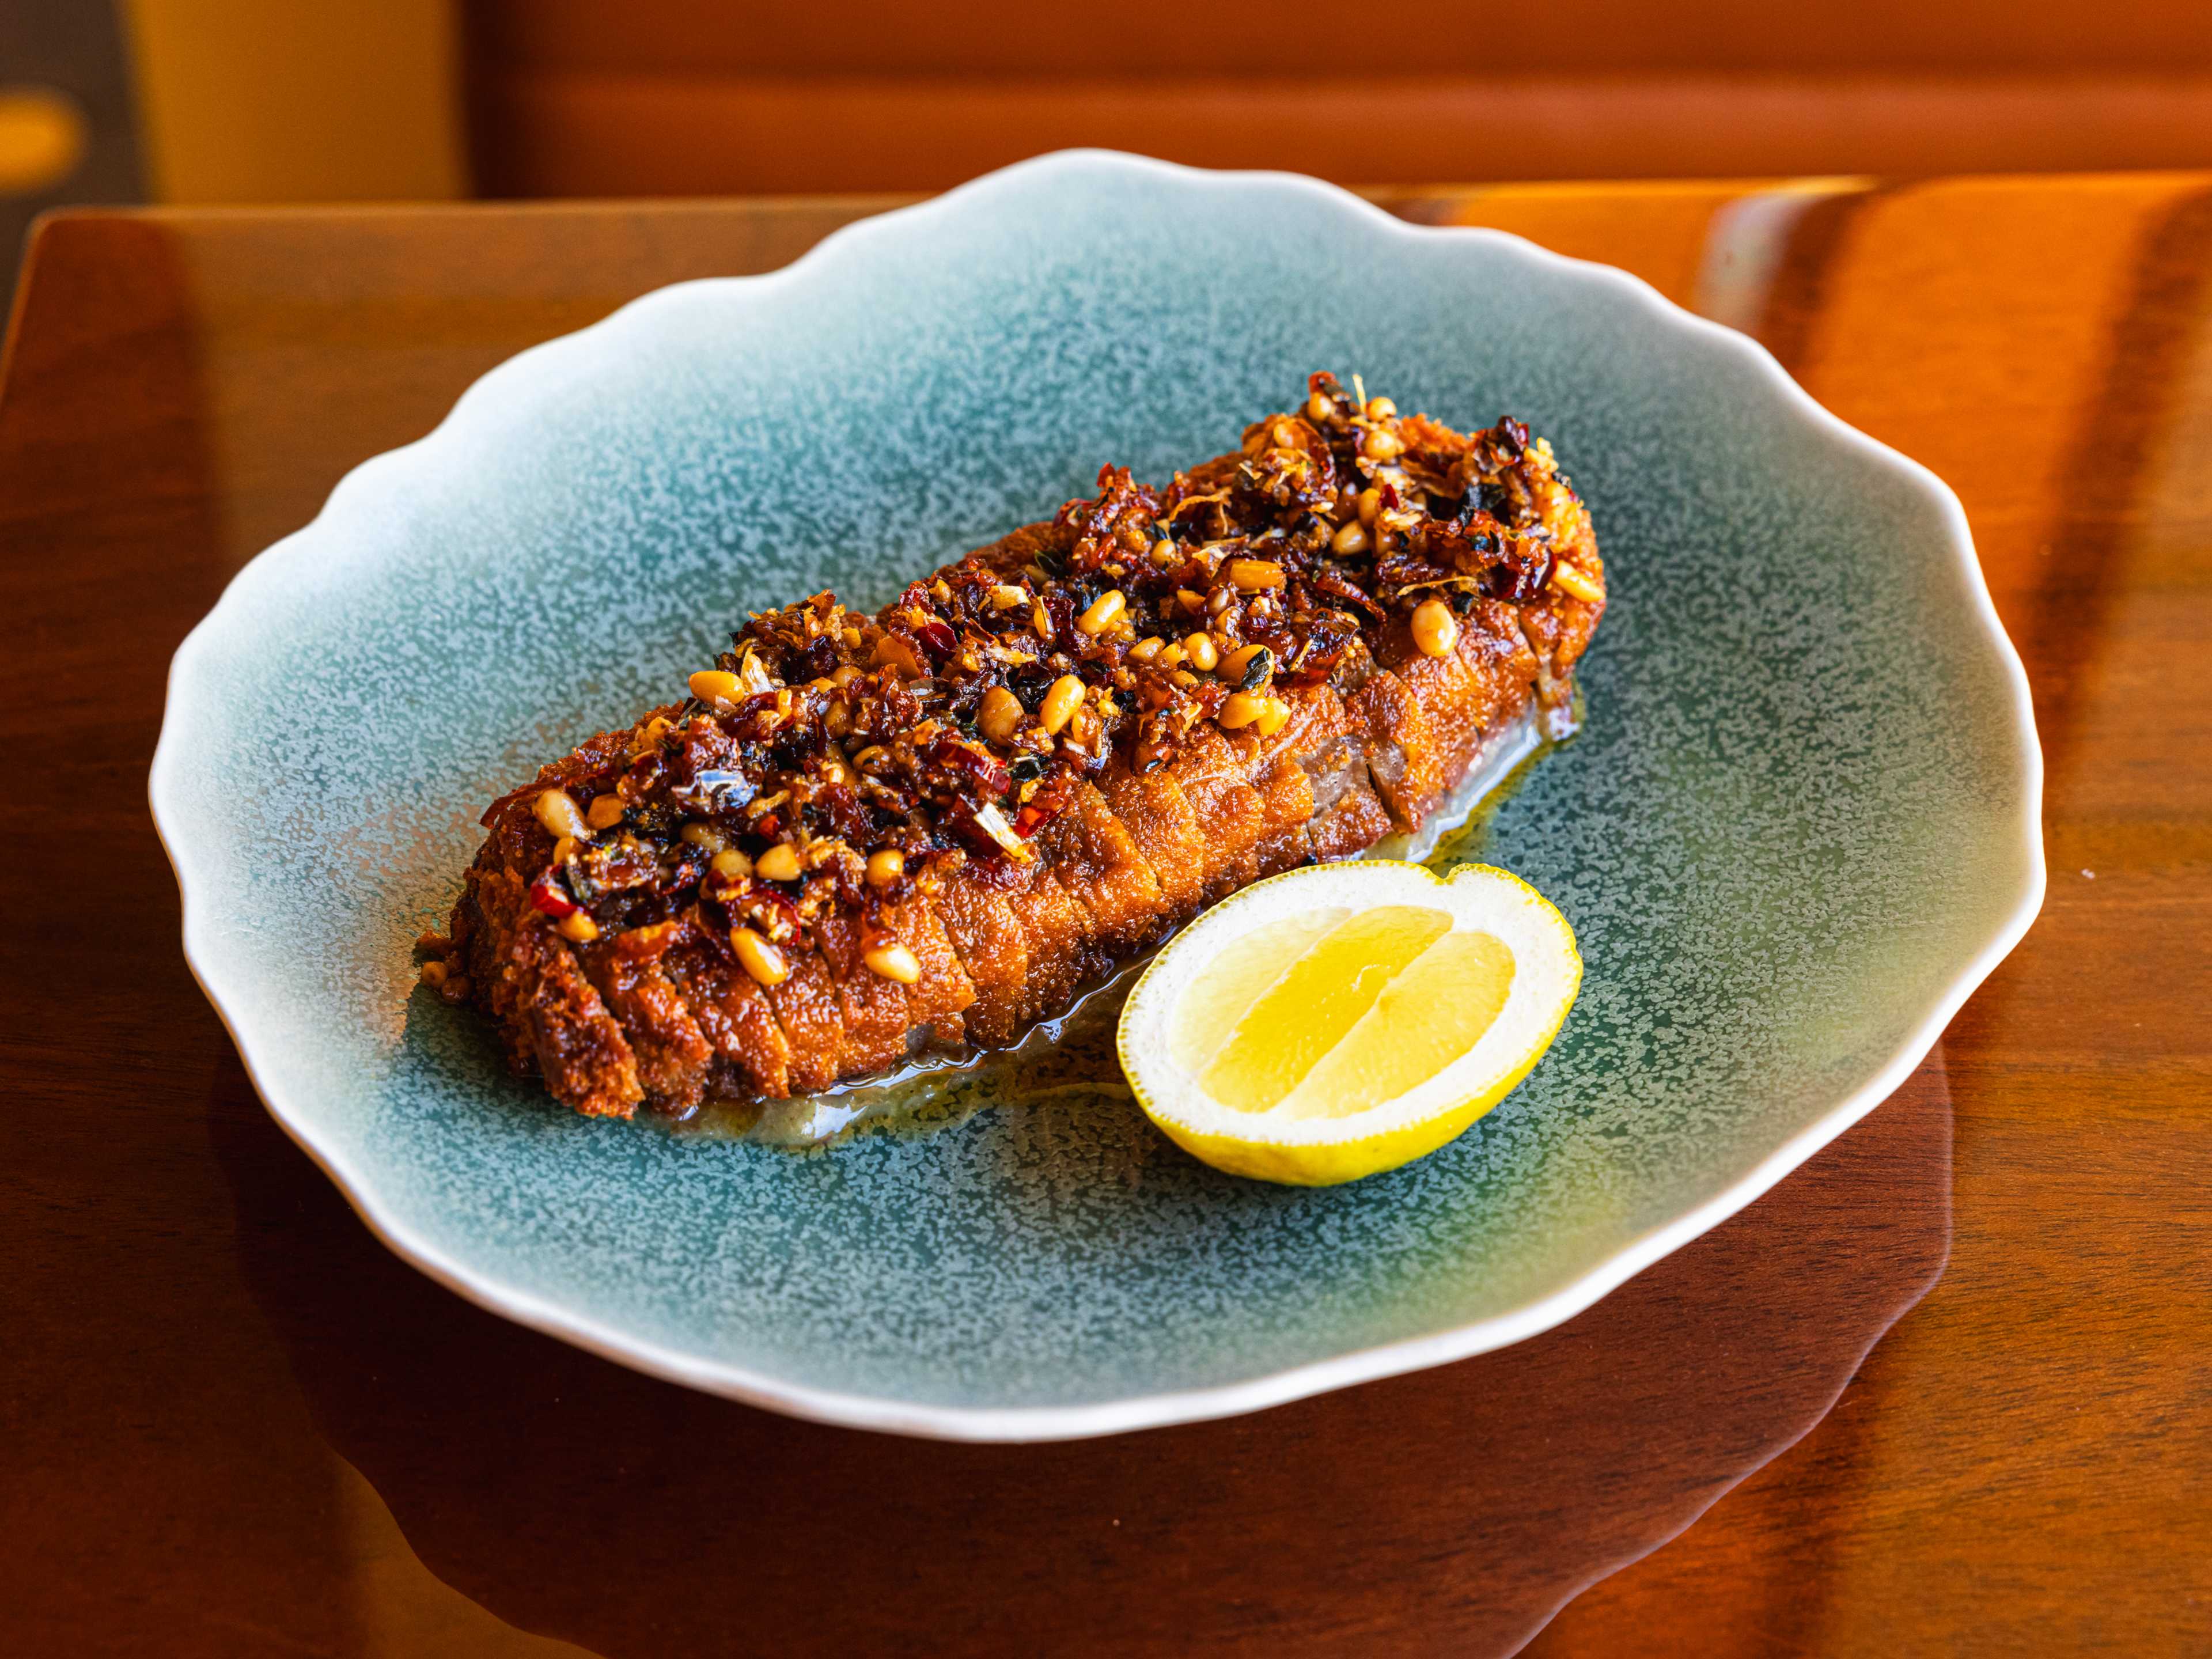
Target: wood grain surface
{"points": [[233, 1425]]}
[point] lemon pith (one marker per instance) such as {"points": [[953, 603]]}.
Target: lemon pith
{"points": [[1346, 1019]]}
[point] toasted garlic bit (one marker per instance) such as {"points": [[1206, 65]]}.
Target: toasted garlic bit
{"points": [[1147, 649], [1273, 718], [714, 685], [893, 961], [1240, 710], [579, 927], [1436, 630], [1579, 583], [758, 957], [731, 864], [606, 812], [1060, 703], [1381, 409], [1350, 540], [999, 715], [1201, 653], [885, 866], [1382, 446], [778, 863], [557, 810], [1255, 575], [1105, 610], [1234, 666]]}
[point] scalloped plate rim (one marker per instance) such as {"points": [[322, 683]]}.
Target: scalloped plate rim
{"points": [[1143, 1411]]}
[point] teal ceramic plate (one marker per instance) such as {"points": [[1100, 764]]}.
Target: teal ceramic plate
{"points": [[1799, 828]]}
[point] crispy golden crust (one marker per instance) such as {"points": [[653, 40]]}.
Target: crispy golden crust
{"points": [[1036, 858]]}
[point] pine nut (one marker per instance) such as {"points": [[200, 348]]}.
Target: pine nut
{"points": [[1274, 718], [606, 812], [557, 810], [579, 927], [1006, 596], [843, 675], [1201, 653], [893, 961], [731, 864], [778, 863], [1318, 409], [885, 866], [1381, 409], [1060, 703], [1350, 540], [1242, 710], [1147, 649], [1233, 665], [1382, 446], [564, 849], [1105, 610], [706, 836], [434, 974], [758, 957], [1370, 503], [714, 685], [1579, 583], [999, 715], [1255, 575], [1436, 630]]}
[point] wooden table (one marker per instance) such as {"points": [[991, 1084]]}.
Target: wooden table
{"points": [[231, 1424]]}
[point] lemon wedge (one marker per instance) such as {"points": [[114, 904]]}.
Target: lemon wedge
{"points": [[1347, 1018]]}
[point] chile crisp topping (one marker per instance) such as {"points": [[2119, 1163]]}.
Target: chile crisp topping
{"points": [[834, 764]]}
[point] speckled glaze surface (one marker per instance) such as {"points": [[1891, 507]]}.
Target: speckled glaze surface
{"points": [[1799, 827]]}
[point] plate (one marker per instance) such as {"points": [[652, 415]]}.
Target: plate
{"points": [[1799, 827]]}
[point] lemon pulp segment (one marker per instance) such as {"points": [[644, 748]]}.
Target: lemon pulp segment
{"points": [[1315, 1001], [1236, 979], [1434, 1010]]}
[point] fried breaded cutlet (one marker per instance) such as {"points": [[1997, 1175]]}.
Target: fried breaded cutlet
{"points": [[865, 836]]}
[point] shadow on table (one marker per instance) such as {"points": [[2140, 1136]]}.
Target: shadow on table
{"points": [[1454, 1509]]}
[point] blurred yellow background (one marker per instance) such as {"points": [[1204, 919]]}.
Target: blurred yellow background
{"points": [[298, 101]]}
